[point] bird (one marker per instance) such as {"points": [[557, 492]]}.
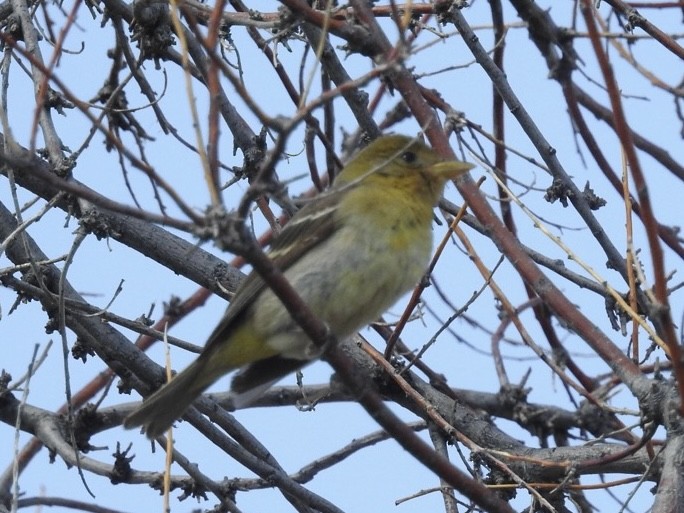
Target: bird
{"points": [[350, 254]]}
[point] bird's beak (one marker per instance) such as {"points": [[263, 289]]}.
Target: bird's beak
{"points": [[450, 169]]}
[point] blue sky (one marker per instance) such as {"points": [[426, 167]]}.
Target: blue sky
{"points": [[365, 482]]}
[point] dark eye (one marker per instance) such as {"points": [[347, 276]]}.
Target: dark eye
{"points": [[409, 157]]}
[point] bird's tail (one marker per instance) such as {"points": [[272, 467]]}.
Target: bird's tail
{"points": [[158, 411]]}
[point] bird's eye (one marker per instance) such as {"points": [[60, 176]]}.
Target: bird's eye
{"points": [[409, 157]]}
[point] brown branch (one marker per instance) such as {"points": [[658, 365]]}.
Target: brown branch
{"points": [[662, 310]]}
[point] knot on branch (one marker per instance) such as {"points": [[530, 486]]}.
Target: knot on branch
{"points": [[98, 224], [56, 100], [81, 350], [660, 404], [87, 421], [191, 488], [513, 396], [288, 27], [254, 155], [5, 380], [226, 230], [12, 26], [121, 472], [496, 477], [593, 200], [151, 28], [597, 420], [455, 121], [560, 191]]}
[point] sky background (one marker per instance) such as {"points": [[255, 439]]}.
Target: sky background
{"points": [[364, 482]]}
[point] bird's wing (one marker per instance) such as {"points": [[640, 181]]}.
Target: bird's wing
{"points": [[312, 225]]}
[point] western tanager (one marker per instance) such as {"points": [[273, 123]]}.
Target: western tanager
{"points": [[350, 254]]}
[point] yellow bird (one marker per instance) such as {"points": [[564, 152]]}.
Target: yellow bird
{"points": [[350, 254]]}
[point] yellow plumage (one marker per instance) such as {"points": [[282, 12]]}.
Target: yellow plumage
{"points": [[350, 254]]}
